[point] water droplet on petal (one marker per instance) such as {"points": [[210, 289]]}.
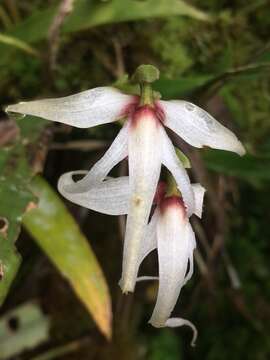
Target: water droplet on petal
{"points": [[207, 119]]}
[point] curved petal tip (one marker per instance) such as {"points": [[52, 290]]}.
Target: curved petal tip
{"points": [[176, 322]]}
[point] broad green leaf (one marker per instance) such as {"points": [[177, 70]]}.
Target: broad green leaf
{"points": [[59, 236], [171, 89], [248, 167], [15, 195], [207, 85], [9, 265], [88, 14], [21, 329]]}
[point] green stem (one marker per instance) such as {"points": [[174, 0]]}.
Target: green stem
{"points": [[146, 94]]}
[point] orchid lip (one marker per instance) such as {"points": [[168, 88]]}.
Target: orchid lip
{"points": [[172, 202]]}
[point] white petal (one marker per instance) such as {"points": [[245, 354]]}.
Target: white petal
{"points": [[174, 165], [116, 152], [198, 191], [85, 109], [109, 197], [144, 170], [149, 242], [173, 255], [176, 322], [198, 128], [191, 246]]}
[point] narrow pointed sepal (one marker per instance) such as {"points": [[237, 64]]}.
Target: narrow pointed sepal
{"points": [[175, 245], [144, 170], [110, 196], [116, 153], [83, 110], [197, 127], [199, 192]]}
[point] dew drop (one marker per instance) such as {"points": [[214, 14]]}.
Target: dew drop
{"points": [[208, 120]]}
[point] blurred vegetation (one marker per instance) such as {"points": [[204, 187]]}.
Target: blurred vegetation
{"points": [[216, 53]]}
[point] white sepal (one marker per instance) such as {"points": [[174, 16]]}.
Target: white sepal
{"points": [[198, 128], [191, 248], [149, 242], [116, 153], [110, 196], [199, 192], [83, 110], [144, 170], [175, 248]]}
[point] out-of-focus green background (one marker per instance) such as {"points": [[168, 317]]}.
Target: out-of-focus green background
{"points": [[215, 53]]}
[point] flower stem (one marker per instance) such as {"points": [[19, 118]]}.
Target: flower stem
{"points": [[146, 94], [145, 75]]}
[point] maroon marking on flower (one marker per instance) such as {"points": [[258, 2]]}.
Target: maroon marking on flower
{"points": [[160, 192], [142, 113], [172, 201], [159, 112], [130, 108]]}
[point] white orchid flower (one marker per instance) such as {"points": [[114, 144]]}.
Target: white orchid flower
{"points": [[171, 233], [168, 231], [143, 139]]}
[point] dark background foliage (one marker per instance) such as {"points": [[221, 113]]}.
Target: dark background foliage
{"points": [[218, 58]]}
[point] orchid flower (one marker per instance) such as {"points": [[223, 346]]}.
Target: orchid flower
{"points": [[168, 231], [171, 233], [143, 139]]}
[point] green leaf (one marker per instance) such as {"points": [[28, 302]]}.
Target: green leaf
{"points": [[9, 265], [171, 89], [22, 328], [87, 14], [207, 85], [248, 167], [59, 236], [15, 195]]}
